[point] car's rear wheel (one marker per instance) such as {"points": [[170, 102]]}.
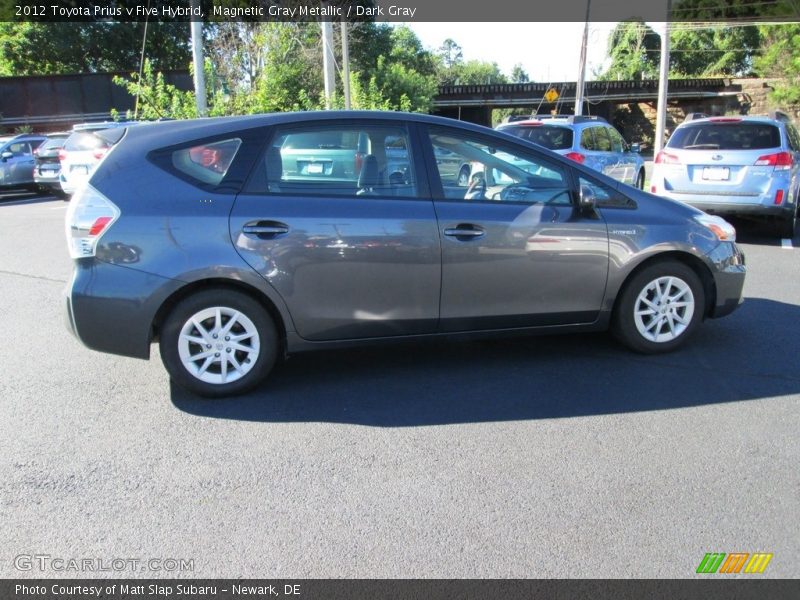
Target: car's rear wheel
{"points": [[788, 227], [218, 343], [659, 308], [640, 180]]}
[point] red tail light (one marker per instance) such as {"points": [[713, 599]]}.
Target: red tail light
{"points": [[100, 153], [778, 196], [62, 155], [725, 119], [781, 161], [576, 156], [664, 158], [653, 189], [99, 224]]}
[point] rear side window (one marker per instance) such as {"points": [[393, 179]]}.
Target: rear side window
{"points": [[207, 163], [726, 136], [587, 139], [602, 139], [617, 143], [323, 160], [554, 138]]}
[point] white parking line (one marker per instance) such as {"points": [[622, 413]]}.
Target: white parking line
{"points": [[786, 244]]}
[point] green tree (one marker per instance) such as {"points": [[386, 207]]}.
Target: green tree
{"points": [[780, 57], [633, 48], [476, 72], [58, 48], [519, 74]]}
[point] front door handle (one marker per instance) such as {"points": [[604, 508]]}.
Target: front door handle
{"points": [[265, 228], [464, 231]]}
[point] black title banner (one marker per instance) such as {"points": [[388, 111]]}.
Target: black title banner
{"points": [[399, 10]]}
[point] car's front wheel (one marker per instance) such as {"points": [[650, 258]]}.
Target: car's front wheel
{"points": [[659, 308], [218, 343]]}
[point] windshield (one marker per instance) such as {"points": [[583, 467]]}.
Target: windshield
{"points": [[554, 138], [726, 136]]}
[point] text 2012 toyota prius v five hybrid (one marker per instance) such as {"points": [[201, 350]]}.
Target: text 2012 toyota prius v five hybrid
{"points": [[232, 241]]}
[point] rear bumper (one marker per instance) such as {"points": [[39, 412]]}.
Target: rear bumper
{"points": [[729, 274], [111, 308], [742, 209]]}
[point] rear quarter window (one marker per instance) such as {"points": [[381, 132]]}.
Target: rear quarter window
{"points": [[207, 163], [726, 136]]}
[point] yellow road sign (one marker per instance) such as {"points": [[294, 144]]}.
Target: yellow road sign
{"points": [[551, 95]]}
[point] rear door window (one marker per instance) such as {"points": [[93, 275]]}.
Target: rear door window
{"points": [[726, 136], [587, 139], [602, 139], [364, 161], [617, 143]]}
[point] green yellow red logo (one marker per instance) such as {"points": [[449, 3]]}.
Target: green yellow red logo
{"points": [[735, 562]]}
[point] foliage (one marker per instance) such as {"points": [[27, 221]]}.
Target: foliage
{"points": [[59, 48], [780, 57], [157, 99], [519, 74], [633, 48]]}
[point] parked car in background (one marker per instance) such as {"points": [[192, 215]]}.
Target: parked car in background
{"points": [[81, 153], [221, 242], [17, 160], [740, 166], [590, 141], [47, 167]]}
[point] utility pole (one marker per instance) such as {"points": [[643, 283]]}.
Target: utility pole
{"points": [[582, 70], [327, 62], [199, 66], [345, 65], [663, 83]]}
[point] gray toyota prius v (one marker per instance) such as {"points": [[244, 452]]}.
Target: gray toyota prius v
{"points": [[234, 241]]}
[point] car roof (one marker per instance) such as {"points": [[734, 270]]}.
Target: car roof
{"points": [[165, 133], [732, 119]]}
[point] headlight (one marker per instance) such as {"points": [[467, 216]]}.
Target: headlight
{"points": [[721, 228]]}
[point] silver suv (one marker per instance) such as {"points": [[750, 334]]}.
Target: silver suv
{"points": [[739, 166]]}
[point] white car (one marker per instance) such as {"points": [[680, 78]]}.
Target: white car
{"points": [[81, 153]]}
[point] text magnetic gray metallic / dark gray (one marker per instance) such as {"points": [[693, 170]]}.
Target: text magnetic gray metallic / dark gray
{"points": [[232, 240]]}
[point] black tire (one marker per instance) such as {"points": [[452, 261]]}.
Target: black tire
{"points": [[640, 180], [463, 176], [786, 228], [260, 362], [624, 322]]}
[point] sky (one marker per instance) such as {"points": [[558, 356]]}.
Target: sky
{"points": [[549, 52]]}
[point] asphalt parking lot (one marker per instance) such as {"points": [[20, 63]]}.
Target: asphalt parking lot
{"points": [[534, 457]]}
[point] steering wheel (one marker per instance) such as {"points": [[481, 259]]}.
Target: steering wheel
{"points": [[476, 189]]}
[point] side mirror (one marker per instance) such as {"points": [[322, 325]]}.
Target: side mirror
{"points": [[6, 155], [636, 147], [587, 200]]}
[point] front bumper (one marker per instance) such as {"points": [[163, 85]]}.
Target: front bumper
{"points": [[729, 274], [111, 308]]}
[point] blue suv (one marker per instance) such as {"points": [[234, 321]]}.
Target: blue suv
{"points": [[590, 141]]}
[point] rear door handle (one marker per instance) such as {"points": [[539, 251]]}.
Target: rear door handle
{"points": [[265, 228]]}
